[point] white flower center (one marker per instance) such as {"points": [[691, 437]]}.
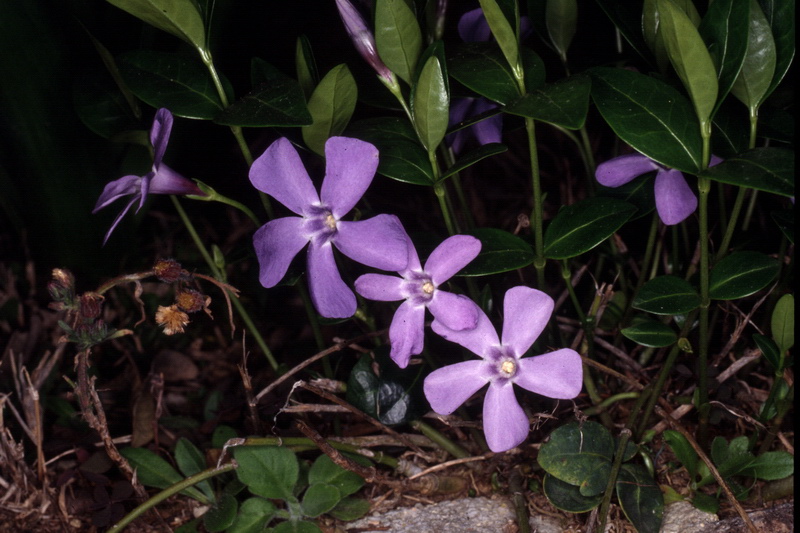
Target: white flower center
{"points": [[330, 222], [506, 367], [427, 287]]}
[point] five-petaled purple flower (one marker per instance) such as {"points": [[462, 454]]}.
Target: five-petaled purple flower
{"points": [[557, 374], [160, 180], [674, 198], [378, 242], [420, 289]]}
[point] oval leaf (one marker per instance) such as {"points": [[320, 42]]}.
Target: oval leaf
{"points": [[500, 252], [765, 169], [782, 322], [473, 156], [319, 499], [154, 471], [579, 227], [504, 34], [640, 498], [667, 295], [561, 17], [780, 15], [268, 471], [431, 104], [278, 102], [563, 103], [331, 105], [305, 66], [222, 513], [770, 351], [397, 37], [568, 497], [324, 470], [651, 333], [741, 274], [579, 454], [253, 516], [724, 29], [758, 69], [181, 18]]}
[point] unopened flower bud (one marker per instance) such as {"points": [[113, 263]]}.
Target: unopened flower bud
{"points": [[169, 270], [90, 304], [364, 40], [173, 319], [62, 289], [191, 301]]}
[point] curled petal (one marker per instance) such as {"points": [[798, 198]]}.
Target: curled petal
{"points": [[450, 386], [477, 340], [472, 26], [526, 312], [454, 311], [350, 167], [378, 242], [116, 189], [280, 173], [276, 244], [119, 217], [407, 333], [557, 374], [504, 422], [622, 169], [380, 287], [331, 297], [453, 254], [159, 134], [167, 181], [674, 199]]}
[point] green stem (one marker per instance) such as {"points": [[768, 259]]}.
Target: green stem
{"points": [[608, 402], [451, 447], [303, 442], [440, 191], [567, 276], [731, 227], [537, 214]]}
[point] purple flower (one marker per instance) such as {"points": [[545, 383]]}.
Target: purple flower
{"points": [[378, 242], [160, 180], [557, 374], [420, 289], [364, 40], [674, 199], [486, 131]]}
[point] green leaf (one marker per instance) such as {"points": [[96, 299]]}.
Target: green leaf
{"points": [[331, 105], [154, 471], [176, 81], [649, 115], [221, 435], [473, 156], [649, 332], [640, 498], [101, 106], [568, 497], [277, 101], [350, 509], [190, 461], [268, 471], [324, 470], [770, 351], [730, 133], [741, 274], [770, 466], [319, 499], [765, 169], [305, 66], [724, 30], [563, 103], [292, 526], [579, 454], [627, 18], [430, 104], [782, 323], [781, 17], [254, 514], [181, 18], [758, 69], [579, 227], [505, 35], [561, 17], [639, 192], [222, 514], [500, 252], [397, 37], [667, 295], [784, 218], [690, 58], [705, 502], [683, 451]]}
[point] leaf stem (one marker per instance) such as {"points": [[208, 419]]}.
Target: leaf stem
{"points": [[539, 260]]}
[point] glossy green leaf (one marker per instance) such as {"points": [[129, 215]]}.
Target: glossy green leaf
{"points": [[305, 66], [500, 252], [505, 35], [561, 17], [640, 498], [401, 156], [649, 115], [480, 66], [765, 169], [667, 295], [770, 351], [653, 36], [568, 497], [730, 134], [690, 58], [758, 69], [292, 526], [579, 227], [324, 470], [319, 499], [350, 509], [782, 322], [431, 104], [770, 466], [331, 105], [781, 17], [579, 454], [724, 30], [277, 102], [627, 18], [181, 18], [222, 514], [154, 471], [563, 103], [741, 274], [176, 81], [190, 461], [785, 221], [473, 156], [268, 471], [398, 37], [254, 514], [639, 192], [102, 107], [222, 434], [649, 332], [683, 451]]}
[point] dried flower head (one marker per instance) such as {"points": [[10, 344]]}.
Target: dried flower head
{"points": [[191, 301], [169, 271], [173, 319], [90, 304]]}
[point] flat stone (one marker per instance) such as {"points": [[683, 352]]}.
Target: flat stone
{"points": [[682, 517]]}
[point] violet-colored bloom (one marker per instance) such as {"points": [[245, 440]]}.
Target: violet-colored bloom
{"points": [[557, 374], [378, 242], [419, 287], [160, 180], [364, 40], [674, 198], [486, 131]]}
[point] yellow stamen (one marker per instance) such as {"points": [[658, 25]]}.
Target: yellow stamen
{"points": [[427, 287], [330, 221], [508, 367]]}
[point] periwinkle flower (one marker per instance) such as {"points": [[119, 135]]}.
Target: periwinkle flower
{"points": [[160, 180], [674, 198], [364, 40], [419, 287], [378, 242], [557, 374]]}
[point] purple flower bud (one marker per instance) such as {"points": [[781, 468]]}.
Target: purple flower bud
{"points": [[364, 40]]}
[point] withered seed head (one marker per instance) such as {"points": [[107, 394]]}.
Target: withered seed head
{"points": [[169, 271], [190, 301], [90, 304], [172, 318]]}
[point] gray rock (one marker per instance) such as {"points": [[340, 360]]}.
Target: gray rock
{"points": [[682, 517]]}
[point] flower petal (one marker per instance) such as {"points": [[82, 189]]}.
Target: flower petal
{"points": [[454, 311], [331, 297], [350, 165], [159, 134], [280, 173], [504, 422], [276, 244], [526, 312], [407, 333], [489, 130], [460, 108], [472, 26], [557, 374], [167, 181], [380, 287], [119, 217], [116, 189], [622, 169], [450, 386], [378, 242], [477, 340], [674, 199], [453, 254]]}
